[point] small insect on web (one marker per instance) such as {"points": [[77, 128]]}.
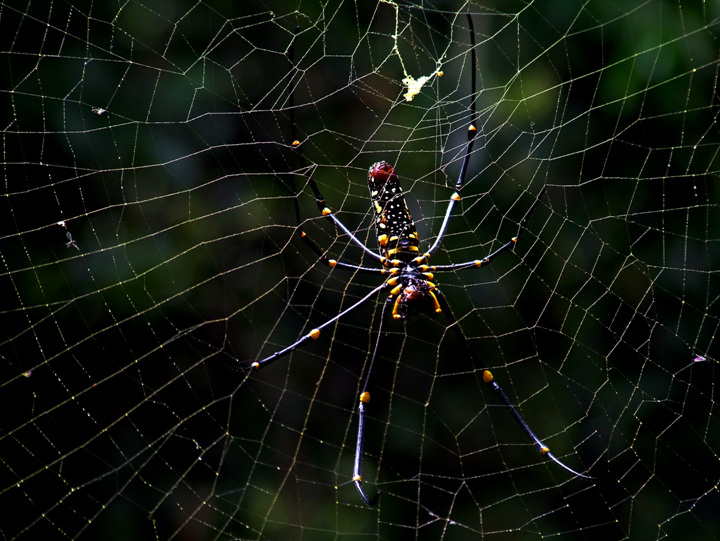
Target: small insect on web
{"points": [[410, 278]]}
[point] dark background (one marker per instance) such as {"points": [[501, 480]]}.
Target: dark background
{"points": [[159, 134]]}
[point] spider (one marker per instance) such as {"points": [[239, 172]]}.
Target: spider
{"points": [[409, 279]]}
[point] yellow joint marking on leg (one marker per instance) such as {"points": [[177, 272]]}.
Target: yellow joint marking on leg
{"points": [[472, 127], [357, 478], [396, 262], [436, 304], [545, 450], [331, 263], [478, 263], [455, 196], [428, 275], [314, 334], [392, 281], [487, 376], [365, 397], [302, 234], [382, 240], [396, 290], [326, 211], [414, 249], [296, 143], [515, 239], [255, 365], [440, 73], [396, 306]]}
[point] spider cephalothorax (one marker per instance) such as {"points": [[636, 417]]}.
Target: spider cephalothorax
{"points": [[412, 287]]}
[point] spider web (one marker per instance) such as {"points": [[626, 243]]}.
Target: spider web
{"points": [[148, 246]]}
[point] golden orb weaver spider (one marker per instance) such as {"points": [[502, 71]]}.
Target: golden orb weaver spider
{"points": [[409, 276]]}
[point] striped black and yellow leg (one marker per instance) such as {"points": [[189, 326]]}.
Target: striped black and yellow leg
{"points": [[508, 246], [319, 199], [363, 403], [313, 334], [471, 133], [488, 378]]}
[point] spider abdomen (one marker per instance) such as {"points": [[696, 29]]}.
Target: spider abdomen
{"points": [[395, 229]]}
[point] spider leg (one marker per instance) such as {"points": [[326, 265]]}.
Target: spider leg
{"points": [[319, 199], [489, 379], [364, 400], [477, 263], [313, 334], [472, 131], [324, 259]]}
